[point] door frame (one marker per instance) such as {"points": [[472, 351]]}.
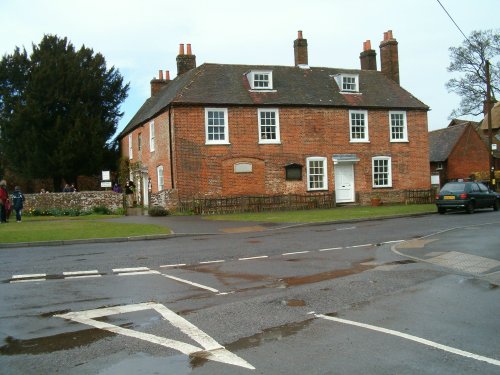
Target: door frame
{"points": [[353, 186]]}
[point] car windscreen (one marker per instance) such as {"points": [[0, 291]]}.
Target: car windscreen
{"points": [[454, 187]]}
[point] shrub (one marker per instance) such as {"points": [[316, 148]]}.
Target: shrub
{"points": [[157, 211], [101, 210]]}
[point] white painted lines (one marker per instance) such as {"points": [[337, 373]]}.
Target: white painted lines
{"points": [[134, 271], [295, 253], [346, 228], [26, 278], [81, 274], [356, 246], [406, 336], [210, 349], [173, 265], [331, 249], [252, 258], [213, 261], [191, 283]]}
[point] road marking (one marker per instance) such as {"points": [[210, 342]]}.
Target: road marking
{"points": [[354, 246], [191, 283], [210, 349], [27, 276], [74, 273], [81, 277], [173, 265], [117, 270], [212, 261], [395, 241], [296, 252], [26, 281], [139, 273], [251, 258], [419, 340], [347, 228], [331, 248]]}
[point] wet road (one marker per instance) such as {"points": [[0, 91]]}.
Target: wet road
{"points": [[411, 296]]}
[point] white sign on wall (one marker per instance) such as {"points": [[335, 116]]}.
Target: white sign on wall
{"points": [[106, 176]]}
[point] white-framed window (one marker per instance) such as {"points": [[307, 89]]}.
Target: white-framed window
{"points": [[130, 152], [316, 173], [381, 171], [358, 124], [261, 79], [347, 82], [269, 125], [216, 126], [439, 166], [398, 128], [159, 175], [152, 136]]}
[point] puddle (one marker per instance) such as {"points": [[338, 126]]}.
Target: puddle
{"points": [[295, 302], [328, 275], [224, 277], [50, 344], [268, 335]]}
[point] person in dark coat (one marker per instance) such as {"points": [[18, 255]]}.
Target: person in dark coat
{"points": [[18, 202]]}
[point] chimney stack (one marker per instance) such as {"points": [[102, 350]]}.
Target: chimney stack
{"points": [[300, 50], [158, 83], [389, 60], [368, 57], [185, 62]]}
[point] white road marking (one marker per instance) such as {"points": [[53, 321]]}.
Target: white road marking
{"points": [[14, 277], [74, 273], [81, 277], [331, 248], [212, 261], [26, 281], [296, 252], [347, 228], [139, 273], [117, 270], [365, 245], [210, 349], [396, 241], [191, 283], [419, 340], [173, 265], [251, 258]]}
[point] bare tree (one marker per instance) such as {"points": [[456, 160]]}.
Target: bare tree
{"points": [[470, 60]]}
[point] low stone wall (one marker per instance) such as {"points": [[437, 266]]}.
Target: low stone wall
{"points": [[84, 200], [168, 199]]}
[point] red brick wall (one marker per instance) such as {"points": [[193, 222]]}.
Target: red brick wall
{"points": [[469, 155], [208, 169]]}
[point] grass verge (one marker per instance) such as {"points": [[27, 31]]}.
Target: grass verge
{"points": [[332, 214], [43, 228]]}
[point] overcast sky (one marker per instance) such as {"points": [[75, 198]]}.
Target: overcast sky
{"points": [[140, 37]]}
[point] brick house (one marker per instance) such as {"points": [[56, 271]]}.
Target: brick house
{"points": [[457, 152], [220, 130]]}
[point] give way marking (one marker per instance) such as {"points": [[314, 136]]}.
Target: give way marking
{"points": [[210, 349], [406, 336]]}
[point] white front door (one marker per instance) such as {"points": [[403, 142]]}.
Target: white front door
{"points": [[344, 182], [145, 190]]}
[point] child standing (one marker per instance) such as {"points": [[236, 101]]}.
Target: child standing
{"points": [[18, 202]]}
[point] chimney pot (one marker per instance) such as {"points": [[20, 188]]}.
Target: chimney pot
{"points": [[299, 34], [188, 49], [167, 75], [389, 34], [160, 74], [367, 45], [181, 49]]}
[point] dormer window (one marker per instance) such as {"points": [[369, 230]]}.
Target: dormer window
{"points": [[260, 79], [348, 82]]}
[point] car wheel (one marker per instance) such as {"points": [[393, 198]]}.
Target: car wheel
{"points": [[441, 210], [496, 205], [470, 208]]}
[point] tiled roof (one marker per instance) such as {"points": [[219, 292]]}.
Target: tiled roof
{"points": [[222, 84], [442, 141]]}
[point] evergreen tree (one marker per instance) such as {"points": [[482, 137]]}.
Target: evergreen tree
{"points": [[59, 107]]}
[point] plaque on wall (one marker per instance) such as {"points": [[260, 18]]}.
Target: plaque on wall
{"points": [[243, 168]]}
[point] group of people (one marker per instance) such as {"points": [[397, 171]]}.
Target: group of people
{"points": [[7, 205]]}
